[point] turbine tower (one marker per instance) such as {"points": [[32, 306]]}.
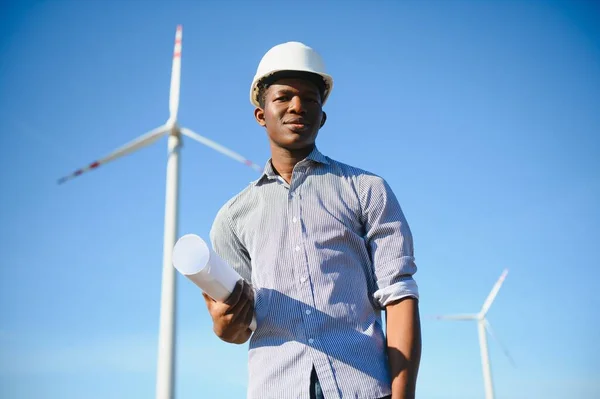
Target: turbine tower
{"points": [[484, 326], [165, 366]]}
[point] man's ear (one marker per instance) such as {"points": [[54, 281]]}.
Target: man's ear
{"points": [[323, 119], [259, 115]]}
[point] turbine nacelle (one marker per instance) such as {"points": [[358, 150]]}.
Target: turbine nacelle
{"points": [[172, 126]]}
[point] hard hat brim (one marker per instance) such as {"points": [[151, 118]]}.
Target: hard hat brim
{"points": [[286, 73]]}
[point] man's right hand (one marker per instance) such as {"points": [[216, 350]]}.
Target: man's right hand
{"points": [[232, 318]]}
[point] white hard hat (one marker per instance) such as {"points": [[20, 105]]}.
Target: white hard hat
{"points": [[292, 57]]}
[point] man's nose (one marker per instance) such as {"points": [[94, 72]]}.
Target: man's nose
{"points": [[296, 105]]}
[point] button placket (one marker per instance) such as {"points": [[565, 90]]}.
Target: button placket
{"points": [[304, 275], [301, 266]]}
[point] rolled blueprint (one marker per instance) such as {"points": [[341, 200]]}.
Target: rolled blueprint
{"points": [[205, 268]]}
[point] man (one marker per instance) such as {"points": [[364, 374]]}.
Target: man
{"points": [[325, 247]]}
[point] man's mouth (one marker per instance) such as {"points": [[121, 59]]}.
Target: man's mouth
{"points": [[297, 124]]}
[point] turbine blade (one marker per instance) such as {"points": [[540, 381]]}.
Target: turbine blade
{"points": [[489, 329], [175, 76], [457, 317], [493, 293], [142, 141], [219, 148]]}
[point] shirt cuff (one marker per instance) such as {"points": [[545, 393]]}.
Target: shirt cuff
{"points": [[399, 290]]}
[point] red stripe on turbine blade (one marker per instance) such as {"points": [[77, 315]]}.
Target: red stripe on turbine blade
{"points": [[94, 165], [177, 54], [177, 41], [248, 162]]}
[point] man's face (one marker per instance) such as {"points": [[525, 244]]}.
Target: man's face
{"points": [[292, 113]]}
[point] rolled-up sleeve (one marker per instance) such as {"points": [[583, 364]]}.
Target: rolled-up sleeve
{"points": [[389, 241], [227, 245]]}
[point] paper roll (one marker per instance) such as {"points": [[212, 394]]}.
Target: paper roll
{"points": [[205, 268]]}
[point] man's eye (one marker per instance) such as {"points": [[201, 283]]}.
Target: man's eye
{"points": [[282, 98]]}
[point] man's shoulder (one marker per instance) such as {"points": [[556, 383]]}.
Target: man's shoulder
{"points": [[240, 199], [366, 183], [352, 171]]}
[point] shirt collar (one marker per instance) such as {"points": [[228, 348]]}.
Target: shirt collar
{"points": [[269, 173]]}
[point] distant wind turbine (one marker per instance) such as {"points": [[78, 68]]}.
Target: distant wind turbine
{"points": [[482, 326], [165, 366]]}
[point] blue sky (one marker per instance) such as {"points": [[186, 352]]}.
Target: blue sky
{"points": [[484, 117]]}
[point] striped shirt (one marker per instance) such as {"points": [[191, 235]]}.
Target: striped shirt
{"points": [[325, 254]]}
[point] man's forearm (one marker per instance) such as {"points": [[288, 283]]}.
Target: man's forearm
{"points": [[403, 346]]}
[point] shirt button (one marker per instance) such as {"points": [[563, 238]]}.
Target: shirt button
{"points": [[310, 340], [302, 279], [307, 311], [297, 248], [294, 219]]}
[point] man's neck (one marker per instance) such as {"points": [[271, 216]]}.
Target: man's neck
{"points": [[284, 160]]}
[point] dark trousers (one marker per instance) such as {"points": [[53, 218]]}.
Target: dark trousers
{"points": [[315, 387]]}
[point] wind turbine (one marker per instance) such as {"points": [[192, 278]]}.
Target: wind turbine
{"points": [[484, 326], [165, 366]]}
